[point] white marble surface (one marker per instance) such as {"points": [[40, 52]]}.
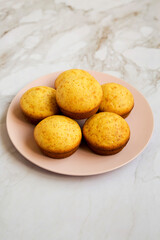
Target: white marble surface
{"points": [[117, 37]]}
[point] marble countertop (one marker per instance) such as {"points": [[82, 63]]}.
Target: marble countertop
{"points": [[121, 38]]}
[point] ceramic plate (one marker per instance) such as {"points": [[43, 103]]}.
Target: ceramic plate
{"points": [[83, 162]]}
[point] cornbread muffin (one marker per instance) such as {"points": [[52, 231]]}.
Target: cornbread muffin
{"points": [[58, 136], [106, 133], [116, 98], [38, 103], [79, 95], [70, 74]]}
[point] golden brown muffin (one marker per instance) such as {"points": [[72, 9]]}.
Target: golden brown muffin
{"points": [[38, 103], [71, 75], [116, 98], [79, 95], [58, 136], [106, 133]]}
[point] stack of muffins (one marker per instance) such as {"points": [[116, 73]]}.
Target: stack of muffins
{"points": [[78, 95]]}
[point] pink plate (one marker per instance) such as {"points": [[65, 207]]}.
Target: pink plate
{"points": [[83, 162]]}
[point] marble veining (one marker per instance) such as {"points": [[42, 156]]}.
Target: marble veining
{"points": [[121, 38]]}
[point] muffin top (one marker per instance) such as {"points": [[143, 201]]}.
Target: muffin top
{"points": [[39, 102], [116, 98], [58, 134], [79, 92], [106, 130], [71, 74]]}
